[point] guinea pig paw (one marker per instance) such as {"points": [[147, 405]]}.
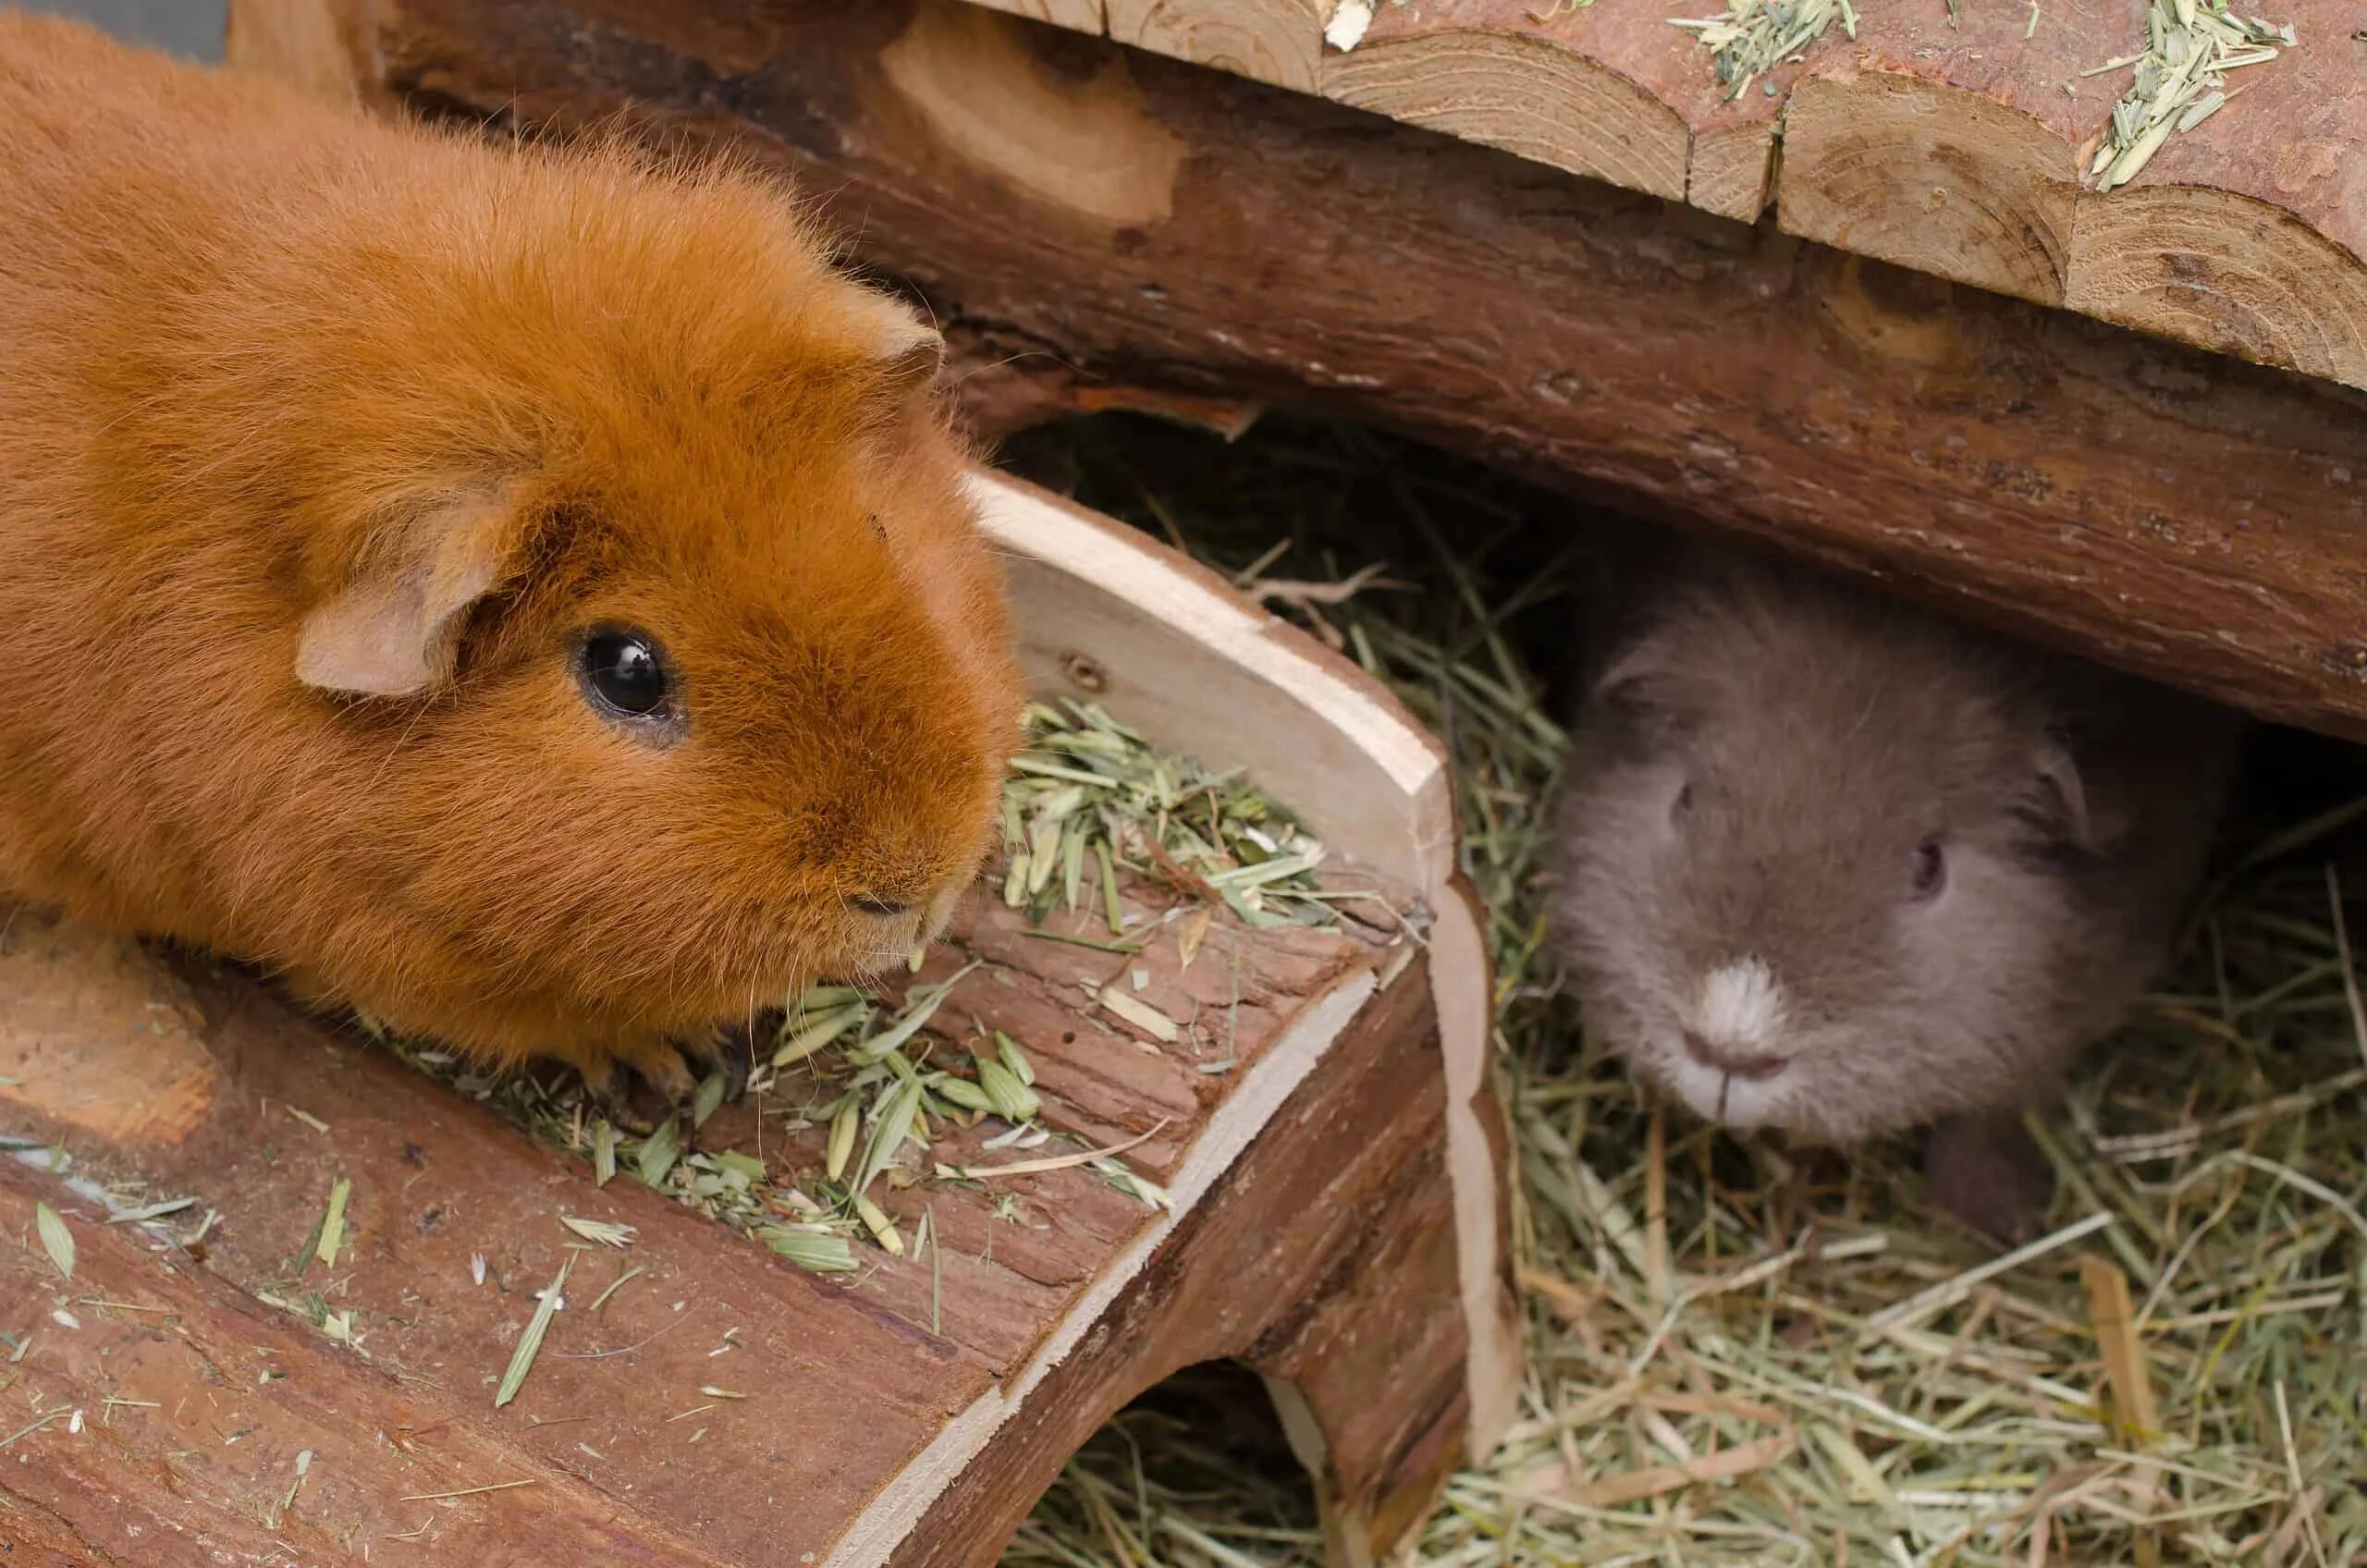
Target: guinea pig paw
{"points": [[667, 1072], [609, 1092], [637, 1087], [729, 1049], [1987, 1172]]}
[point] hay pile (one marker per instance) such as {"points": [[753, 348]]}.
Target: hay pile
{"points": [[1743, 1356]]}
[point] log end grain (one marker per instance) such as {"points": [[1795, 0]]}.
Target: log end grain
{"points": [[1523, 94], [1080, 149], [1276, 42], [2223, 272], [1924, 174]]}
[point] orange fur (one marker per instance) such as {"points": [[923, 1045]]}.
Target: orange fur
{"points": [[257, 355]]}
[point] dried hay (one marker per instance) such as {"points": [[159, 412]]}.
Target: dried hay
{"points": [[1740, 1355]]}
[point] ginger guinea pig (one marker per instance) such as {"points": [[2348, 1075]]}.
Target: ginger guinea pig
{"points": [[1838, 867], [526, 594]]}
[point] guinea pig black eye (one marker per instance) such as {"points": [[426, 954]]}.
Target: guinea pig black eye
{"points": [[1931, 870], [1684, 801], [624, 672]]}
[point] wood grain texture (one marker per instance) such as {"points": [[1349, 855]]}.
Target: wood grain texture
{"points": [[2248, 233], [1081, 145], [1954, 148], [1495, 73], [1279, 41], [1594, 90], [1368, 1161], [913, 1345], [2170, 511]]}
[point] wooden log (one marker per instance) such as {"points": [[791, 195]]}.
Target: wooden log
{"points": [[698, 1402], [1955, 147], [1278, 42], [2166, 510], [2248, 234], [1950, 140], [1630, 104], [1506, 75]]}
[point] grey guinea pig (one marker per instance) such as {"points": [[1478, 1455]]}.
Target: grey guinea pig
{"points": [[1838, 867]]}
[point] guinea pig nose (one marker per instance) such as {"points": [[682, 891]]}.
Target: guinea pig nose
{"points": [[1753, 1068], [884, 909]]}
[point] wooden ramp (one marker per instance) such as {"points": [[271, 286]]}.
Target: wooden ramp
{"points": [[1960, 137], [1320, 1123]]}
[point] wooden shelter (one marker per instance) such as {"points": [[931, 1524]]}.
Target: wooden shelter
{"points": [[199, 1392]]}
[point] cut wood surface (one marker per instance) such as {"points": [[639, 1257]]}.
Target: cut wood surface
{"points": [[1321, 1125], [1280, 42], [1955, 150], [2246, 234], [2168, 510], [1955, 141], [1633, 106]]}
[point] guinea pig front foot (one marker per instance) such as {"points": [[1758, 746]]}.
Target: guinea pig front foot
{"points": [[1987, 1171], [668, 1073]]}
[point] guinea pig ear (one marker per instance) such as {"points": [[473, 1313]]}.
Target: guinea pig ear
{"points": [[2059, 778], [900, 353], [1637, 694], [392, 630], [908, 360]]}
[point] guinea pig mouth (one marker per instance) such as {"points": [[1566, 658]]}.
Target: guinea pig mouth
{"points": [[1730, 1099]]}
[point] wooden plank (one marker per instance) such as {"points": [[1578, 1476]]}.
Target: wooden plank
{"points": [[184, 1407], [1631, 105], [1504, 73], [616, 1432], [1169, 640], [437, 1181], [1278, 42], [2248, 234], [1954, 148], [1368, 1155], [1954, 145], [2169, 511]]}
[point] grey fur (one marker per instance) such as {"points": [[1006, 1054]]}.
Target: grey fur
{"points": [[1825, 733]]}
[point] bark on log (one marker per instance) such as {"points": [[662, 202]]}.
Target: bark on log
{"points": [[1101, 218], [1955, 141]]}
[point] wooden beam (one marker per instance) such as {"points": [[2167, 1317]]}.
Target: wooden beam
{"points": [[2170, 511], [1953, 139], [1279, 41], [1511, 78], [1955, 147], [2248, 234], [1630, 104]]}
